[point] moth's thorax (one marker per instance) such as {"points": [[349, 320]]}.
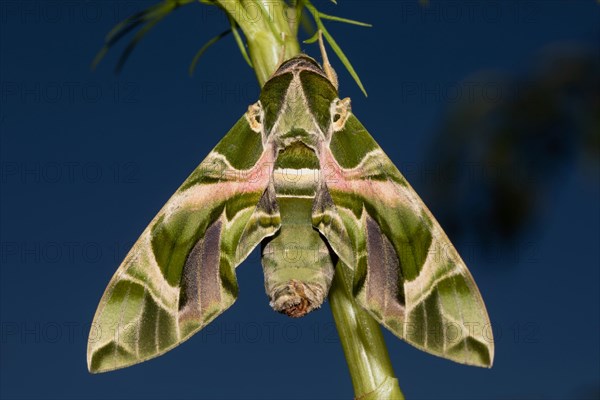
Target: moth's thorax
{"points": [[295, 121], [296, 103]]}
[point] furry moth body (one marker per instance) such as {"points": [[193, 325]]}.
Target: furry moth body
{"points": [[301, 176]]}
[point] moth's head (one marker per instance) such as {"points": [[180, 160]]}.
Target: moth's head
{"points": [[298, 63], [298, 97]]}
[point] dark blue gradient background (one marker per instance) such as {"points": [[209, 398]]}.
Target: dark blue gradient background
{"points": [[88, 158]]}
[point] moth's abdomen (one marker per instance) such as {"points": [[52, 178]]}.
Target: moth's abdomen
{"points": [[297, 262]]}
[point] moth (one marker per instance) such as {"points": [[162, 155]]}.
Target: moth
{"points": [[299, 175]]}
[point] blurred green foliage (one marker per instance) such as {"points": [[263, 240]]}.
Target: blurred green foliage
{"points": [[502, 152]]}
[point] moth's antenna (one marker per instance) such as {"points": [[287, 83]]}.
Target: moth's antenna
{"points": [[327, 68]]}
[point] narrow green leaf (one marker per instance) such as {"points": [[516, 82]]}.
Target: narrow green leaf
{"points": [[149, 16], [306, 23], [239, 41], [205, 47], [336, 48], [136, 39], [312, 39], [131, 22], [345, 20], [122, 28], [99, 57]]}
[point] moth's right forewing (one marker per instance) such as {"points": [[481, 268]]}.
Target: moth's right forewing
{"points": [[407, 273]]}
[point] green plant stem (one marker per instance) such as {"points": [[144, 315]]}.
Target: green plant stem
{"points": [[363, 343], [270, 28]]}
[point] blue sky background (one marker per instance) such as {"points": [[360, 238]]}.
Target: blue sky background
{"points": [[88, 158]]}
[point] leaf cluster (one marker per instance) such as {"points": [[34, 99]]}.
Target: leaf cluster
{"points": [[144, 21]]}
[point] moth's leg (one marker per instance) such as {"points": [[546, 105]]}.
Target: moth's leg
{"points": [[329, 71]]}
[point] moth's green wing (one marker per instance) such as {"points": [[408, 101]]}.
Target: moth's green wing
{"points": [[406, 272], [180, 274]]}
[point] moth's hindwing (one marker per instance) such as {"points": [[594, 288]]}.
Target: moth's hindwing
{"points": [[180, 274], [406, 272]]}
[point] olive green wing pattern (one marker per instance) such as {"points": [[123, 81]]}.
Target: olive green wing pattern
{"points": [[407, 273], [180, 274]]}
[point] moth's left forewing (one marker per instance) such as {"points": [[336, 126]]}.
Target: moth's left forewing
{"points": [[407, 273], [180, 274]]}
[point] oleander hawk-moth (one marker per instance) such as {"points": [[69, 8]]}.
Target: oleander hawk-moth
{"points": [[299, 175]]}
